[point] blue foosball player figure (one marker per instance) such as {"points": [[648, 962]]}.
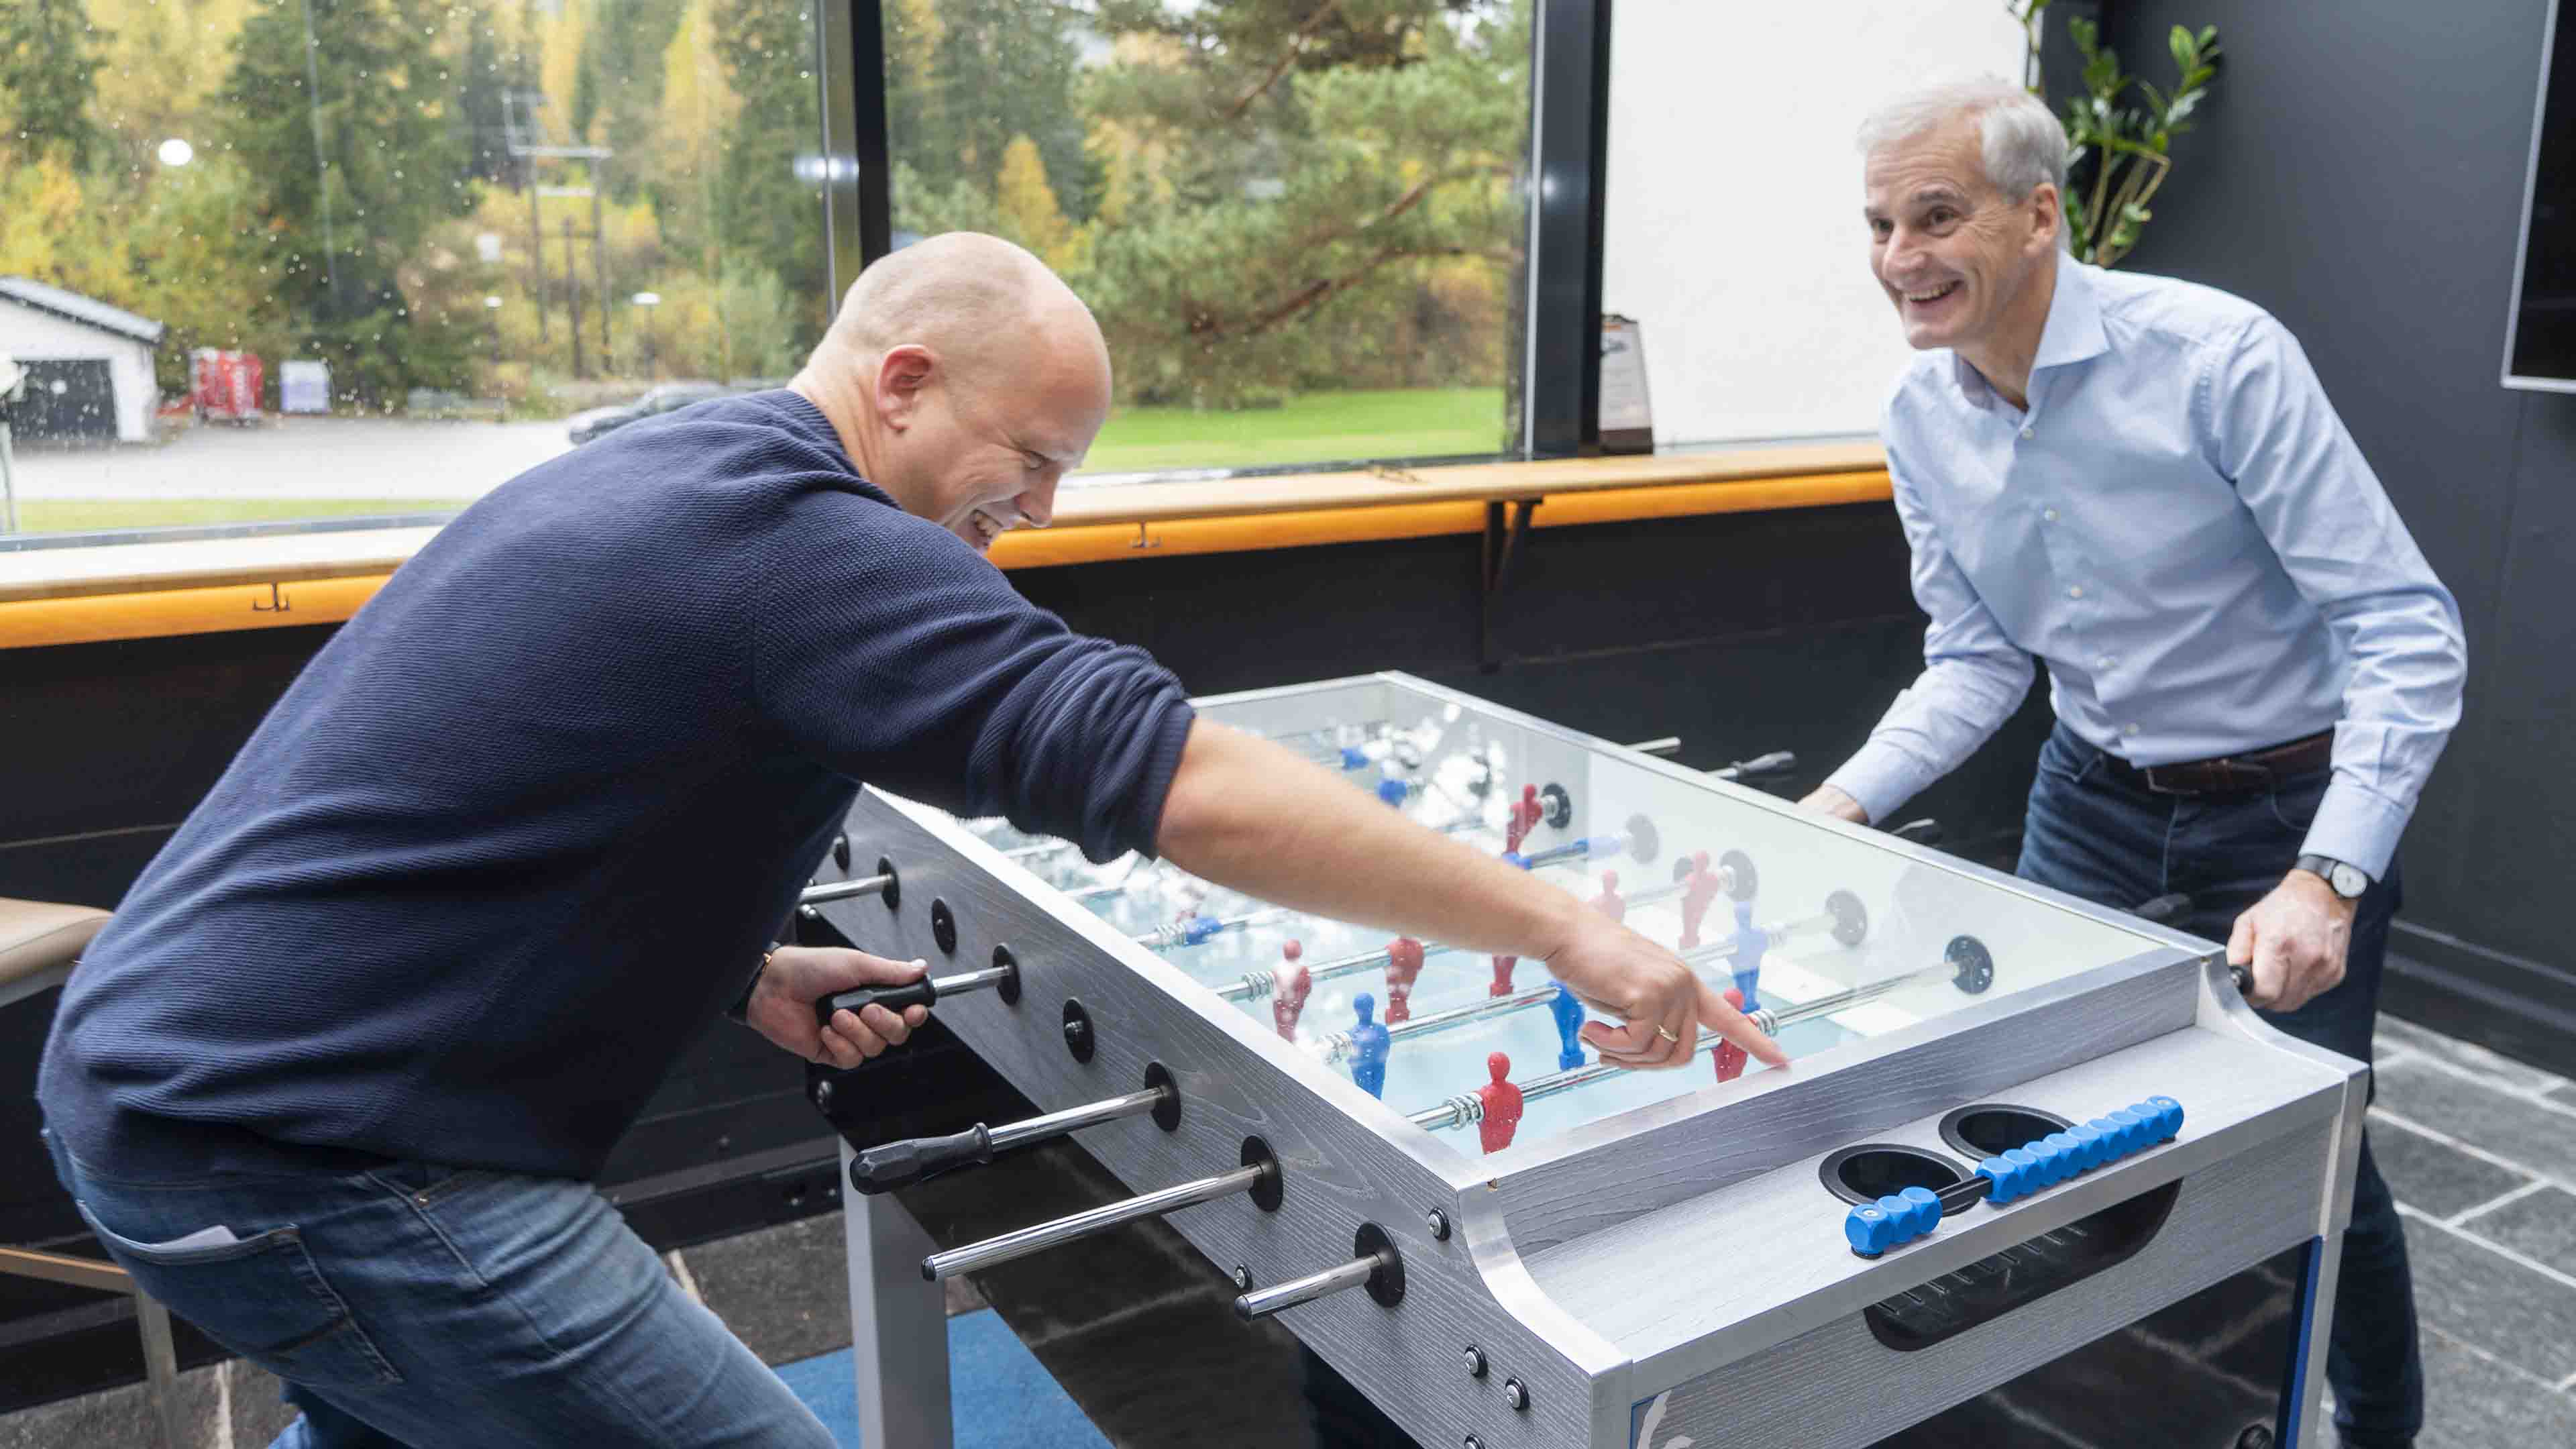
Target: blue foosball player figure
{"points": [[1569, 1021], [1369, 1043], [1749, 943]]}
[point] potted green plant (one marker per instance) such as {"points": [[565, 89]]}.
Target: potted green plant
{"points": [[2119, 154]]}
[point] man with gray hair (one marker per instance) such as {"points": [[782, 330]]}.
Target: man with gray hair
{"points": [[2141, 482]]}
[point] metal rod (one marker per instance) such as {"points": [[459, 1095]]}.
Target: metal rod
{"points": [[1011, 1246], [1337, 1047], [1668, 745], [1200, 929], [842, 890], [1309, 1288], [1257, 985], [1074, 1119]]}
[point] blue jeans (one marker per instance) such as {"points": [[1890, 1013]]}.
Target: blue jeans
{"points": [[409, 1304], [2090, 834]]}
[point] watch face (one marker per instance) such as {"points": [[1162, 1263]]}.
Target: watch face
{"points": [[2349, 881]]}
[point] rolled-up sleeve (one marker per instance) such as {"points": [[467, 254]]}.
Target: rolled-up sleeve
{"points": [[888, 650], [2274, 434]]}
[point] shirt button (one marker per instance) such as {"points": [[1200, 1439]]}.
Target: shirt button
{"points": [[2025, 432], [2049, 514], [2106, 661], [2128, 729], [2076, 592]]}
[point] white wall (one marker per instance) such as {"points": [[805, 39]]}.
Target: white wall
{"points": [[1732, 227], [28, 334]]}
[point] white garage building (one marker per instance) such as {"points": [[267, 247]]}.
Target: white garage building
{"points": [[89, 365]]}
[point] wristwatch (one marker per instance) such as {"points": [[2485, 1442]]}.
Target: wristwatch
{"points": [[2349, 881]]}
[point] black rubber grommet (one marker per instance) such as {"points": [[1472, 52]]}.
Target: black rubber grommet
{"points": [[1009, 989], [1386, 1285], [943, 926], [892, 895], [841, 851], [1077, 1030], [1851, 918], [1560, 806], [1167, 1112], [1272, 1188], [1644, 843], [1973, 966], [1747, 880]]}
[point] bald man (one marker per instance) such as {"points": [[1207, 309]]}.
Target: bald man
{"points": [[335, 1081]]}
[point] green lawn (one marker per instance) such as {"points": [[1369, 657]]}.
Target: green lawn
{"points": [[1315, 427], [1324, 427], [79, 515]]}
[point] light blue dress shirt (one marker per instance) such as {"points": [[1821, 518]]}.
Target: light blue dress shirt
{"points": [[2181, 528]]}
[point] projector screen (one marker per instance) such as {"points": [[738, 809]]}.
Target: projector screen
{"points": [[1732, 226]]}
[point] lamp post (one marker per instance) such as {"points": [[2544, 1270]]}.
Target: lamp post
{"points": [[647, 301], [492, 310]]}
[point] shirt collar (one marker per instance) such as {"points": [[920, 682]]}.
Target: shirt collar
{"points": [[2072, 333]]}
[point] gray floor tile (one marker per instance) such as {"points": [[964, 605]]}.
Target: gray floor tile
{"points": [[784, 1291], [2518, 1129], [2540, 1226], [2472, 1403], [118, 1416], [2488, 1301], [2433, 1178], [260, 1410], [2465, 1054]]}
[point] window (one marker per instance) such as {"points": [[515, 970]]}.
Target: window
{"points": [[1300, 222], [1732, 230], [284, 259]]}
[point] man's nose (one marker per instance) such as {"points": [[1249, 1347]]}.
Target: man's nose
{"points": [[1037, 504]]}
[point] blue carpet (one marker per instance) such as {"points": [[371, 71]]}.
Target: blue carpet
{"points": [[997, 1392]]}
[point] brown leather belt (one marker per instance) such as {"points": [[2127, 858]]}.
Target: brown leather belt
{"points": [[2229, 774]]}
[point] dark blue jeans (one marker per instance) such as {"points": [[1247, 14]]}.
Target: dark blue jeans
{"points": [[2090, 834], [416, 1305]]}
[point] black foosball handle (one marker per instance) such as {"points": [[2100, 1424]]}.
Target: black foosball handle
{"points": [[892, 998], [2168, 910], [901, 1164]]}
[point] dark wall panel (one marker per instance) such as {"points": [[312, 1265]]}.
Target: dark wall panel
{"points": [[2359, 172]]}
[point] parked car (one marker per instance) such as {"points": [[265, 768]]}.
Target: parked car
{"points": [[665, 397]]}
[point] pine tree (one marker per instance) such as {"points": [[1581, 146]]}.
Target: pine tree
{"points": [[48, 72]]}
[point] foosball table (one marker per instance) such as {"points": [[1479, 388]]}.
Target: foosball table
{"points": [[2036, 1174]]}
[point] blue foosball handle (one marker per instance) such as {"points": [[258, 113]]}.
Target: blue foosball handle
{"points": [[1874, 1227]]}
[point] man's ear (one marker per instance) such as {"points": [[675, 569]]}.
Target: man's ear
{"points": [[903, 376], [2047, 215]]}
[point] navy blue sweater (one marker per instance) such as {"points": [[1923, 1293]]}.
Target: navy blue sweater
{"points": [[523, 826]]}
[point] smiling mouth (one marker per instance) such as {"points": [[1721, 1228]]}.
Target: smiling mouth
{"points": [[1925, 299], [983, 528]]}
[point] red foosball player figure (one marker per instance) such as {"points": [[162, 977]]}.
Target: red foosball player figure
{"points": [[1403, 964], [1730, 1057], [1290, 984], [1502, 1105], [1525, 817], [1503, 975], [1609, 902], [1700, 892]]}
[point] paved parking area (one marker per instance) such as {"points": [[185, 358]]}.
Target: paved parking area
{"points": [[297, 457]]}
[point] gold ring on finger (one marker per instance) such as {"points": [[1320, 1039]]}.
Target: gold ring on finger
{"points": [[1666, 1033]]}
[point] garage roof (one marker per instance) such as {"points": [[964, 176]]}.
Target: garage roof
{"points": [[82, 309]]}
